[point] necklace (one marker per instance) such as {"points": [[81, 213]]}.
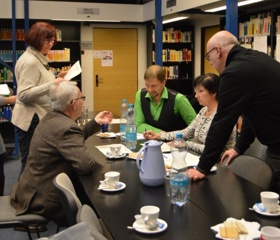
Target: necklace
{"points": [[209, 112]]}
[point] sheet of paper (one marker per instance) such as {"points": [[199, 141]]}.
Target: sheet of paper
{"points": [[73, 71], [4, 89]]}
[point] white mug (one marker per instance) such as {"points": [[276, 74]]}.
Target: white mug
{"points": [[115, 149], [150, 216], [270, 233], [112, 179], [269, 201]]}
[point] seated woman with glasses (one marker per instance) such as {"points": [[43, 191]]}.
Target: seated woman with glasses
{"points": [[206, 88]]}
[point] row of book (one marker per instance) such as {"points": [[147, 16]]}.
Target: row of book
{"points": [[6, 34], [59, 55], [56, 71], [174, 36], [171, 55], [257, 25], [7, 55], [6, 75], [171, 72]]}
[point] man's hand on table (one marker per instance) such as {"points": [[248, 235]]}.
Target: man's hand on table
{"points": [[195, 175]]}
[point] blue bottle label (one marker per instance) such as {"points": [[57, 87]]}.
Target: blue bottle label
{"points": [[131, 136]]}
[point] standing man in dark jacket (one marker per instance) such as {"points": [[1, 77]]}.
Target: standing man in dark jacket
{"points": [[250, 86]]}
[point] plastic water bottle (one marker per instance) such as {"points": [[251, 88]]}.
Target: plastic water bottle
{"points": [[130, 133], [123, 110], [178, 180]]}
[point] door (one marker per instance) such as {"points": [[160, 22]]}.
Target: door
{"points": [[115, 67], [208, 32]]}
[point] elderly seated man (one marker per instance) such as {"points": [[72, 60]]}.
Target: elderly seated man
{"points": [[57, 146]]}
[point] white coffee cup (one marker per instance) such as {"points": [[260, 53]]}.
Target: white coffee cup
{"points": [[270, 233], [150, 216], [269, 201], [115, 149], [112, 179]]}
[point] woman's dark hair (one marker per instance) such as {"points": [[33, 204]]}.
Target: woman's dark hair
{"points": [[38, 33], [209, 81]]}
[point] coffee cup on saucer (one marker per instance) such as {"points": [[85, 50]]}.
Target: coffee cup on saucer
{"points": [[270, 233], [111, 180], [115, 149], [150, 216], [269, 201]]}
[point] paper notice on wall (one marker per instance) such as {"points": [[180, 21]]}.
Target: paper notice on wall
{"points": [[107, 58], [73, 71], [260, 43], [277, 54]]}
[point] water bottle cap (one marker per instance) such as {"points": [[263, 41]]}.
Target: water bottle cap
{"points": [[130, 105], [124, 100], [179, 135]]}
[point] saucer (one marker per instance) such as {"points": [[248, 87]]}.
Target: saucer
{"points": [[121, 186], [142, 229], [110, 155], [257, 210]]}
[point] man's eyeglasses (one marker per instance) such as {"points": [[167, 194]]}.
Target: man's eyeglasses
{"points": [[207, 55], [82, 97]]}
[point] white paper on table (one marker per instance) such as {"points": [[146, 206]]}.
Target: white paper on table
{"points": [[73, 71], [106, 148], [117, 121], [4, 89]]}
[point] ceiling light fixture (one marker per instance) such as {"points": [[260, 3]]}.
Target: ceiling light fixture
{"points": [[174, 18], [247, 2], [85, 20]]}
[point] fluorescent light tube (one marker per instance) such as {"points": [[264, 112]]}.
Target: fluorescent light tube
{"points": [[239, 4], [174, 19]]}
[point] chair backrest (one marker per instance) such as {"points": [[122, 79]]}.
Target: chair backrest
{"points": [[68, 197], [87, 215], [257, 149], [252, 169]]}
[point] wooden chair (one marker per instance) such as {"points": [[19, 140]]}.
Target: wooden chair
{"points": [[9, 219], [252, 169]]}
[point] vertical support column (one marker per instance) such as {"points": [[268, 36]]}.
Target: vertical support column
{"points": [[26, 16], [158, 33], [232, 17]]}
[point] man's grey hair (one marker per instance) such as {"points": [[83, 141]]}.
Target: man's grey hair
{"points": [[62, 93]]}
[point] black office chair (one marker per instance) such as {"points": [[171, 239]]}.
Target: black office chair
{"points": [[68, 197], [252, 169], [257, 149], [8, 218]]}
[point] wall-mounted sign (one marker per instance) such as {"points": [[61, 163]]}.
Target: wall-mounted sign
{"points": [[88, 11], [86, 45]]}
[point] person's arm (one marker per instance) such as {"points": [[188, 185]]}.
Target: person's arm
{"points": [[184, 108], [7, 100], [140, 118], [72, 148], [94, 125]]}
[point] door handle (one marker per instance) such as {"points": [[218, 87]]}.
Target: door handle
{"points": [[97, 78]]}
